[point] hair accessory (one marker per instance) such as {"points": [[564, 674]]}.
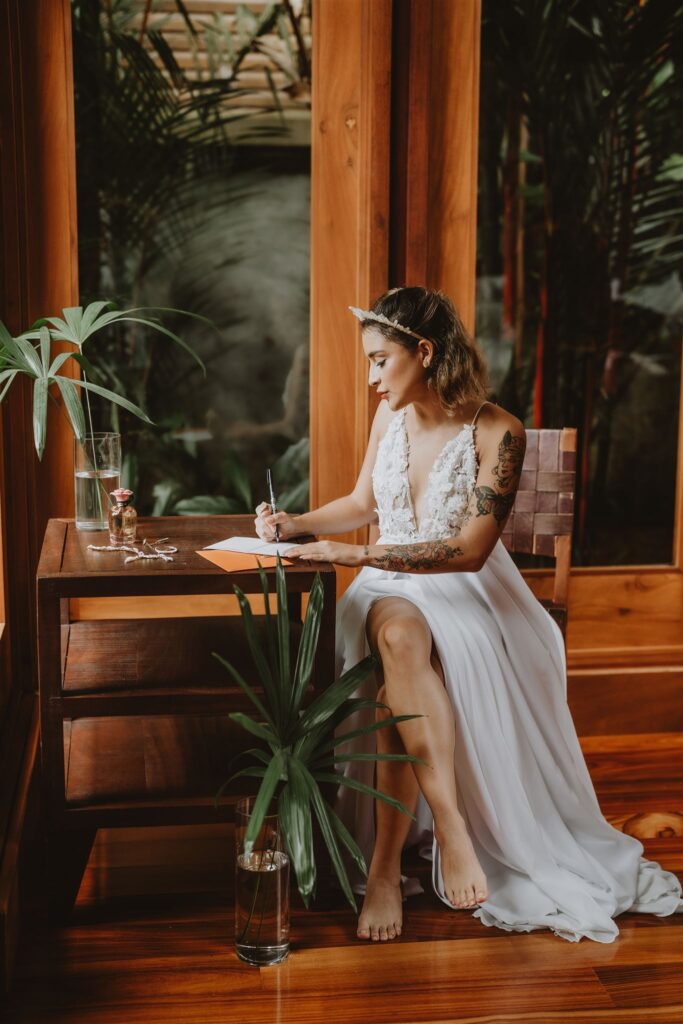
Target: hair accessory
{"points": [[380, 318]]}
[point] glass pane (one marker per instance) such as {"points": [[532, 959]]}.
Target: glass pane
{"points": [[193, 159], [580, 251]]}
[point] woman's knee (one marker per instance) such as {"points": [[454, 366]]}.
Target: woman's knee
{"points": [[404, 639]]}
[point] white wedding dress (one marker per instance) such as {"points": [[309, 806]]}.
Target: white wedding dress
{"points": [[550, 857]]}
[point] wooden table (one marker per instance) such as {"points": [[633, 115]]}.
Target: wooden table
{"points": [[134, 712]]}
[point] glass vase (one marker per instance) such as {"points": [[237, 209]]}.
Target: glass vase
{"points": [[97, 472], [261, 891]]}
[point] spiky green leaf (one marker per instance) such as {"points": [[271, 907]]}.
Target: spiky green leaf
{"points": [[308, 645], [255, 728], [263, 801], [260, 659], [246, 688], [112, 397], [334, 696], [40, 414], [295, 815], [73, 406], [361, 787], [322, 814]]}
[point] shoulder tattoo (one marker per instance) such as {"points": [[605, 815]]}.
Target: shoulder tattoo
{"points": [[499, 499], [510, 458]]}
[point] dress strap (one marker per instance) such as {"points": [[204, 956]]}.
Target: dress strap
{"points": [[474, 418]]}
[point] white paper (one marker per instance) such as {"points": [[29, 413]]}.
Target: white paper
{"points": [[249, 545]]}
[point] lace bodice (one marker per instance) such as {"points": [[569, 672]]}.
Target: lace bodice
{"points": [[449, 487]]}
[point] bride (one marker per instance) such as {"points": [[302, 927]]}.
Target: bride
{"points": [[503, 801]]}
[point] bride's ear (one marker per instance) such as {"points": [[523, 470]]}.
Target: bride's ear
{"points": [[425, 351]]}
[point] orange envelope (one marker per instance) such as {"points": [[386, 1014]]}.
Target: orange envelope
{"points": [[236, 561]]}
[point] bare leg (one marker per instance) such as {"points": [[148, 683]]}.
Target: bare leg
{"points": [[382, 915], [414, 685]]}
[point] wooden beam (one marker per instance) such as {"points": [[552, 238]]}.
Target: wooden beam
{"points": [[349, 231], [434, 149]]}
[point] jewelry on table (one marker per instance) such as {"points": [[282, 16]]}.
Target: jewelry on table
{"points": [[165, 553]]}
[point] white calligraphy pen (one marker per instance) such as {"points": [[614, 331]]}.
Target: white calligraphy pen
{"points": [[273, 506]]}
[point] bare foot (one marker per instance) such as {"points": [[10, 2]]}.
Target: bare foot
{"points": [[463, 879], [382, 915]]}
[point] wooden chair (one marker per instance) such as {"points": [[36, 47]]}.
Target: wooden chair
{"points": [[542, 517]]}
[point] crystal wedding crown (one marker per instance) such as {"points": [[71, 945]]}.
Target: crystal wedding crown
{"points": [[366, 314]]}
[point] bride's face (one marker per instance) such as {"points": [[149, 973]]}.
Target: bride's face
{"points": [[396, 372]]}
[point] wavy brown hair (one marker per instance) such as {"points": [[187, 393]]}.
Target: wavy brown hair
{"points": [[457, 372]]}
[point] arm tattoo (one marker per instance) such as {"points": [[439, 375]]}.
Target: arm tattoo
{"points": [[510, 458], [414, 557], [489, 501]]}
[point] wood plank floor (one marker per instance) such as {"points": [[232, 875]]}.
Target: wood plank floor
{"points": [[150, 940]]}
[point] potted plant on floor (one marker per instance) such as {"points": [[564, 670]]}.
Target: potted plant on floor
{"points": [[296, 762]]}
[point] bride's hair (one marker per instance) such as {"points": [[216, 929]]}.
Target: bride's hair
{"points": [[457, 372]]}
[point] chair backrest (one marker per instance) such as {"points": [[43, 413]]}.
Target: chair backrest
{"points": [[542, 517]]}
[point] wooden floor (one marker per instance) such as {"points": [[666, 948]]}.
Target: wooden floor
{"points": [[150, 939]]}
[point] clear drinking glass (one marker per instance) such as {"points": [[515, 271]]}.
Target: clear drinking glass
{"points": [[261, 891], [97, 469]]}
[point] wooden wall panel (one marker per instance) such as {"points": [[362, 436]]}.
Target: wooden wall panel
{"points": [[349, 231]]}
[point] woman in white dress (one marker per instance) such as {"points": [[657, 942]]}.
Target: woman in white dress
{"points": [[503, 801]]}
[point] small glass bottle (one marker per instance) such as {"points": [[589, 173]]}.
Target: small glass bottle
{"points": [[123, 518]]}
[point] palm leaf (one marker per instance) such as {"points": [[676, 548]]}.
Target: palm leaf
{"points": [[112, 397], [362, 787], [271, 639], [73, 407], [255, 728], [347, 839], [252, 773], [45, 350], [330, 700], [322, 814], [307, 646], [260, 660], [338, 741], [7, 376], [295, 816], [262, 802], [246, 688], [40, 414]]}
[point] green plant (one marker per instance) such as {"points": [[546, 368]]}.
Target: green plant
{"points": [[299, 752], [77, 325]]}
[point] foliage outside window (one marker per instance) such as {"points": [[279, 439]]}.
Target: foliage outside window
{"points": [[192, 128], [580, 249]]}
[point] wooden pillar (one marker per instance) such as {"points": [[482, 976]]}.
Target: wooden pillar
{"points": [[394, 195], [38, 277], [434, 147], [349, 231], [39, 246]]}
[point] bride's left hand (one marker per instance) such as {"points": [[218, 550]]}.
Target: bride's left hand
{"points": [[326, 551]]}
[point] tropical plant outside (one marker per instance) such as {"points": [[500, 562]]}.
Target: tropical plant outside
{"points": [[580, 248], [300, 743], [157, 194]]}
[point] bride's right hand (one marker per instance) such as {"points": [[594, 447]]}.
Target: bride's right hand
{"points": [[266, 522]]}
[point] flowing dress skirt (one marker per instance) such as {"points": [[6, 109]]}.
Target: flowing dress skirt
{"points": [[550, 857]]}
